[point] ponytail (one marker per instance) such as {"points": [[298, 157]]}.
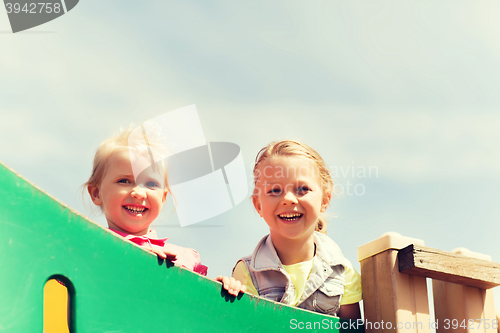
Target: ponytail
{"points": [[321, 225]]}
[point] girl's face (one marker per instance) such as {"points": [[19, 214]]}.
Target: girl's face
{"points": [[289, 196], [130, 206]]}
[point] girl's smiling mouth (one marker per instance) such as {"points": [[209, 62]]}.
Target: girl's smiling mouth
{"points": [[135, 210], [290, 217]]}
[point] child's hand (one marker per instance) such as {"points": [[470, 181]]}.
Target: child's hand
{"points": [[232, 285], [162, 252]]}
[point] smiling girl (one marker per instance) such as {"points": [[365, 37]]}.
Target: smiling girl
{"points": [[294, 264], [131, 202], [129, 184]]}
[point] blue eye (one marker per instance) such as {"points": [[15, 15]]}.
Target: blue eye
{"points": [[303, 189], [274, 191], [152, 184]]}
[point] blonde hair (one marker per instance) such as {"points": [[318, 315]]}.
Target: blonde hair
{"points": [[121, 142], [295, 148]]}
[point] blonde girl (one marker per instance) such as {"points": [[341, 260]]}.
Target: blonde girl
{"points": [[295, 264], [129, 183]]}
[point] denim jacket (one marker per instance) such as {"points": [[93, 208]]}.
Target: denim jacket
{"points": [[324, 287]]}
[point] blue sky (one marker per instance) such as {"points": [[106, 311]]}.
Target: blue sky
{"points": [[408, 88]]}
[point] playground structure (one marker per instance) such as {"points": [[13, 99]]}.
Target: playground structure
{"points": [[42, 239], [394, 271], [113, 285]]}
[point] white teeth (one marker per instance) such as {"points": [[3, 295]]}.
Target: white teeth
{"points": [[135, 209], [290, 216]]}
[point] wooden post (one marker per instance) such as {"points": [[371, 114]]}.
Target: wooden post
{"points": [[464, 308], [393, 302], [498, 318]]}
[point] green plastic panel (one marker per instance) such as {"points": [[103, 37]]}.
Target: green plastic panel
{"points": [[115, 285]]}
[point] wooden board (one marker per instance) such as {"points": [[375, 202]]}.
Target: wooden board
{"points": [[455, 304], [445, 266], [393, 298]]}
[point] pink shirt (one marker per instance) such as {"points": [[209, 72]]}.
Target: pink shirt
{"points": [[187, 258]]}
